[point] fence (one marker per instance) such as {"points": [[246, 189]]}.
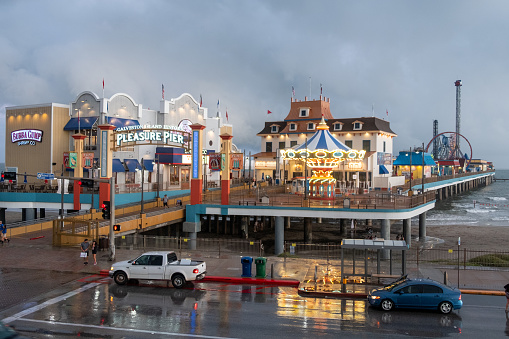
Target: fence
{"points": [[211, 246], [462, 257]]}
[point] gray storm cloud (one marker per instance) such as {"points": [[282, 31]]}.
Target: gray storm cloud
{"points": [[397, 56]]}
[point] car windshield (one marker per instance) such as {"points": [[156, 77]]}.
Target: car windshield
{"points": [[394, 284]]}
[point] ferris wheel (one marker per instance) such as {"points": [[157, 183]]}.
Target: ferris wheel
{"points": [[446, 146]]}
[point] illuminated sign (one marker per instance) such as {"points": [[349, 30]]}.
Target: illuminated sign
{"points": [[215, 162], [148, 134], [196, 154], [355, 165], [187, 159], [268, 164], [26, 136]]}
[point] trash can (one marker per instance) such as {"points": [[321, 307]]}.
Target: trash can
{"points": [[247, 262], [260, 267], [103, 243]]}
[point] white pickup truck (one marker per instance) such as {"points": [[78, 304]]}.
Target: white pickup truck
{"points": [[158, 265]]}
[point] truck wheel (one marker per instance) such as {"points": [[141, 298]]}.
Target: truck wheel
{"points": [[178, 281], [120, 278]]}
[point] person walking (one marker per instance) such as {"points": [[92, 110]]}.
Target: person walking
{"points": [[4, 232], [165, 201], [507, 297], [84, 249], [94, 251]]}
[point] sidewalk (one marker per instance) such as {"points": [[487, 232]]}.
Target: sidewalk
{"points": [[35, 251]]}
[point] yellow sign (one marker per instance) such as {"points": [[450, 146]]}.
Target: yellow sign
{"points": [[251, 243], [450, 251]]}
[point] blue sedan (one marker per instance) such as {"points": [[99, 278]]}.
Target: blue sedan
{"points": [[418, 294]]}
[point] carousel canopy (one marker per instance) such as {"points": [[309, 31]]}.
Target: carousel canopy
{"points": [[323, 139]]}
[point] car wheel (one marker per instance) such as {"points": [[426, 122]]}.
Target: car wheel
{"points": [[178, 281], [120, 278], [387, 305], [445, 307]]}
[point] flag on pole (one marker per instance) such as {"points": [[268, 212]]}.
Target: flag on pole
{"points": [[268, 112], [201, 102], [321, 90], [293, 91], [226, 114], [217, 103], [162, 88], [387, 112], [103, 84]]}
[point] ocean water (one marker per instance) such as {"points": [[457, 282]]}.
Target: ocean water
{"points": [[491, 207]]}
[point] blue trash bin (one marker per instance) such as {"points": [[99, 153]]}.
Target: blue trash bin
{"points": [[247, 263]]}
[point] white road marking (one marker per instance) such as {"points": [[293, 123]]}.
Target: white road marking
{"points": [[49, 302], [132, 330]]}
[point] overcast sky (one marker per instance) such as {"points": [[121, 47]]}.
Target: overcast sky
{"points": [[397, 56]]}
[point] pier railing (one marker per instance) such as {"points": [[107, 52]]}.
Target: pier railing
{"points": [[281, 196]]}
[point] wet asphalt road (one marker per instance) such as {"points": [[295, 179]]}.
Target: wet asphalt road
{"points": [[97, 308]]}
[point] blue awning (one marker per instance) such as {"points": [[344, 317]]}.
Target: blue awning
{"points": [[383, 170], [148, 163], [118, 166], [132, 164], [84, 123], [120, 122]]}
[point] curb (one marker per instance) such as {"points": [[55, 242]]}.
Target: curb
{"points": [[235, 280], [337, 295], [252, 281], [482, 292]]}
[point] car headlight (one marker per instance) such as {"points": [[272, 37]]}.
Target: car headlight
{"points": [[111, 268], [375, 297]]}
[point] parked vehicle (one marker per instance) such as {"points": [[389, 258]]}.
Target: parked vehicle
{"points": [[418, 294], [158, 265]]}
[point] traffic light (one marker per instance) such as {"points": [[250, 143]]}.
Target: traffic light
{"points": [[106, 209], [87, 183], [9, 175], [116, 228]]}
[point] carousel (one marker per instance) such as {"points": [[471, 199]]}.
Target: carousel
{"points": [[322, 153]]}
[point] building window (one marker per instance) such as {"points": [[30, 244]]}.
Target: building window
{"points": [[311, 126], [304, 112], [384, 147], [337, 126], [268, 147], [293, 143], [130, 178], [293, 127], [349, 143], [274, 129], [357, 126], [366, 145], [282, 145]]}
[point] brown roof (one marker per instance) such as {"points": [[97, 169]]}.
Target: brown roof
{"points": [[264, 155], [369, 124], [316, 109]]}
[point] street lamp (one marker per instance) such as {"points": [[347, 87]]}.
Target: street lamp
{"points": [[94, 167], [157, 178], [306, 173], [142, 211]]}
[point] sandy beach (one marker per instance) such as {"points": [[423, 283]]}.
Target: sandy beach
{"points": [[494, 238]]}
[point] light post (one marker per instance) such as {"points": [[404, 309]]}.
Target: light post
{"points": [[306, 173], [95, 167], [278, 175], [157, 178], [142, 211], [422, 174]]}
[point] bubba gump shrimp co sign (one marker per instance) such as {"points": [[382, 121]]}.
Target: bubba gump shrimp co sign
{"points": [[148, 134], [26, 136]]}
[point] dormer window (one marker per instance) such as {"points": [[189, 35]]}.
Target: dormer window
{"points": [[311, 126], [293, 127], [357, 126], [304, 112], [338, 126], [274, 129]]}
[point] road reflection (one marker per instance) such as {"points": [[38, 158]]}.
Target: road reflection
{"points": [[414, 323]]}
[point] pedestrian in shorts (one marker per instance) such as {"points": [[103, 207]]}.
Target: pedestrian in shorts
{"points": [[165, 201], [84, 249]]}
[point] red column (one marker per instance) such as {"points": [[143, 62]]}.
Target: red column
{"points": [[225, 175]]}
